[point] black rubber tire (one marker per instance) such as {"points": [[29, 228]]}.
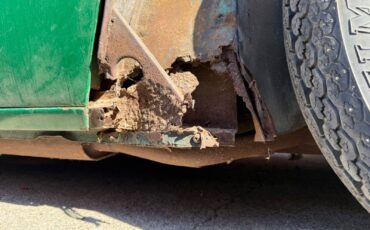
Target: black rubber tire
{"points": [[327, 91]]}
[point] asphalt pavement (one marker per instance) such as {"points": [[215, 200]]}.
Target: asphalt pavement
{"points": [[129, 193]]}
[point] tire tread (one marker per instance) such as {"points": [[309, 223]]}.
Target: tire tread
{"points": [[327, 92]]}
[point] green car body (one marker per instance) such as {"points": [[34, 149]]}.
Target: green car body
{"points": [[45, 60]]}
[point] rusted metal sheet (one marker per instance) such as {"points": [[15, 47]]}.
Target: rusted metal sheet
{"points": [[194, 137], [118, 41], [197, 46], [262, 121], [190, 35], [190, 137], [300, 142], [215, 102], [153, 103], [199, 32], [171, 29], [54, 147], [149, 110], [241, 89]]}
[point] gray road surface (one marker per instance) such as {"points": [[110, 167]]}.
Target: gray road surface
{"points": [[127, 193]]}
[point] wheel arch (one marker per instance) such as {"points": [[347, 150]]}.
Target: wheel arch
{"points": [[261, 51]]}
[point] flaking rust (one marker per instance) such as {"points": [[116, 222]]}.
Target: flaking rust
{"points": [[146, 114], [140, 100], [201, 32], [177, 137], [145, 106], [145, 98]]}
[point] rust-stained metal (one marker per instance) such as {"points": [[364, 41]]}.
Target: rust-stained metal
{"points": [[264, 116], [215, 102], [202, 38], [149, 110], [263, 125], [200, 32], [153, 103], [300, 142], [241, 90], [141, 107], [193, 137], [54, 147], [170, 81], [196, 29], [118, 41]]}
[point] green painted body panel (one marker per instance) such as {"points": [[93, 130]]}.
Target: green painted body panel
{"points": [[46, 50], [53, 119]]}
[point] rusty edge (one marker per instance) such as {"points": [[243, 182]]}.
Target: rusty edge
{"points": [[112, 49], [119, 41], [244, 86], [247, 88], [56, 147]]}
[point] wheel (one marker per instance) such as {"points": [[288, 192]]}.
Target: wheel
{"points": [[327, 43]]}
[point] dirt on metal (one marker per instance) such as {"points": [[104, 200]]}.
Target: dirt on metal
{"points": [[185, 81], [156, 102], [201, 32], [153, 103], [300, 142], [144, 106]]}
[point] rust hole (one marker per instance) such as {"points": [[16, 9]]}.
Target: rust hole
{"points": [[128, 72], [107, 84], [133, 78], [181, 65]]}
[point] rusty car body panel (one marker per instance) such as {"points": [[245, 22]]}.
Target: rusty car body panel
{"points": [[171, 84]]}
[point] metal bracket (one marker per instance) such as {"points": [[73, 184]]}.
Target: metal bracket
{"points": [[118, 41], [148, 112]]}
